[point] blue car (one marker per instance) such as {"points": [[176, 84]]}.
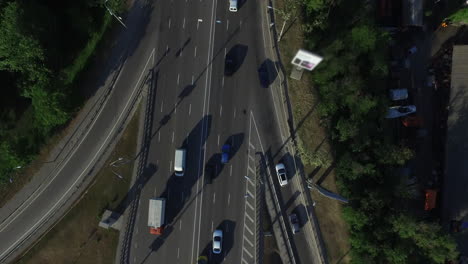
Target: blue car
{"points": [[226, 149]]}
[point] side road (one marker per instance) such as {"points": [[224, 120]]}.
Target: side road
{"points": [[285, 118], [72, 162]]}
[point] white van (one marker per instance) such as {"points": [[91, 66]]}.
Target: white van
{"points": [[179, 162], [233, 5]]}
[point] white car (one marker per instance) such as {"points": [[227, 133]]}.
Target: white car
{"points": [[217, 241], [399, 111], [281, 172]]}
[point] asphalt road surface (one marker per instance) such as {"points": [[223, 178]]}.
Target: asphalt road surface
{"points": [[195, 106]]}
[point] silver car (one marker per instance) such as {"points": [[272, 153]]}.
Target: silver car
{"points": [[281, 172], [217, 241]]}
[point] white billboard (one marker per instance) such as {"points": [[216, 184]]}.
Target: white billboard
{"points": [[306, 60]]}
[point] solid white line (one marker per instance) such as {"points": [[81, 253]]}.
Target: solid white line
{"points": [[204, 127], [169, 22], [220, 110], [195, 55], [89, 164], [183, 24], [190, 109]]}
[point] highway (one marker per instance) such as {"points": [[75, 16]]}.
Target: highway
{"points": [[195, 106]]}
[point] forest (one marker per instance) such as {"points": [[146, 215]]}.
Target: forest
{"points": [[351, 85], [44, 47]]}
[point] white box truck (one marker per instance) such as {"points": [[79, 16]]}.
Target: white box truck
{"points": [[156, 215]]}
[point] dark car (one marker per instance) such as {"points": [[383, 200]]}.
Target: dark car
{"points": [[225, 151], [210, 170], [294, 223]]}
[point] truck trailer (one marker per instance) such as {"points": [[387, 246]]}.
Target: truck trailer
{"points": [[156, 215]]}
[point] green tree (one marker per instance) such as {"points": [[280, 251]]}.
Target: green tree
{"points": [[428, 237], [19, 52]]}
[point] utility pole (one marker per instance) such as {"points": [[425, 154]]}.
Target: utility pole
{"points": [[114, 15]]}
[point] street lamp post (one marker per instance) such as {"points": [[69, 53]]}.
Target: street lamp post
{"points": [[284, 23], [114, 15], [116, 163]]}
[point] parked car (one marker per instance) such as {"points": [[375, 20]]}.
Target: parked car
{"points": [[225, 152], [217, 241], [398, 94], [399, 111], [281, 172], [412, 121], [294, 223]]}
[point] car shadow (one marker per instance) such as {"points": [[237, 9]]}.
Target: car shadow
{"points": [[267, 73], [237, 55], [228, 227]]}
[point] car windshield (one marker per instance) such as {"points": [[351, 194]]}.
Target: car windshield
{"points": [[282, 171], [217, 238], [403, 109]]}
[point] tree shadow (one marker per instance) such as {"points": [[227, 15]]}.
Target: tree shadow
{"points": [[326, 173]]}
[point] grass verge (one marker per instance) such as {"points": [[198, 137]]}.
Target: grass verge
{"points": [[314, 145], [77, 237]]}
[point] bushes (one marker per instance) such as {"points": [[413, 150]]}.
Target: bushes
{"points": [[43, 48], [354, 102]]}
